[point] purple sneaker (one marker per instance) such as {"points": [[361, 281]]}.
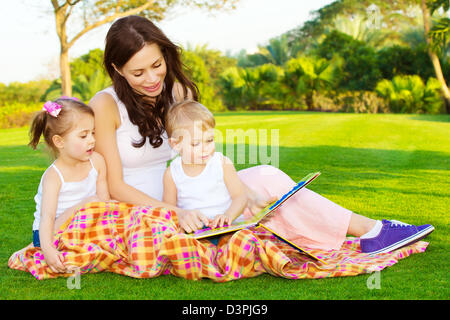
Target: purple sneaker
{"points": [[393, 235]]}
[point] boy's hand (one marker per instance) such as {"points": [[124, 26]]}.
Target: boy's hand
{"points": [[55, 260], [220, 220], [192, 220], [256, 203]]}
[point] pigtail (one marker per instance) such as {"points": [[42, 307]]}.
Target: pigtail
{"points": [[37, 129], [55, 119]]}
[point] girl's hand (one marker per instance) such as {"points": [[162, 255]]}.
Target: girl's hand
{"points": [[220, 220], [192, 220], [55, 260]]}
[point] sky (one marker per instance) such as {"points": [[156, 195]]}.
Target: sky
{"points": [[30, 46]]}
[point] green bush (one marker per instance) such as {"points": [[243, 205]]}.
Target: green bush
{"points": [[409, 94], [196, 70], [17, 114], [401, 60], [359, 102], [25, 93], [257, 88], [360, 67]]}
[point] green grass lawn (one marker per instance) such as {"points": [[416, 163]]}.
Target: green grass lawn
{"points": [[381, 166]]}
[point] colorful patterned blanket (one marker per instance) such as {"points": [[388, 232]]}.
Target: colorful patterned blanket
{"points": [[142, 242]]}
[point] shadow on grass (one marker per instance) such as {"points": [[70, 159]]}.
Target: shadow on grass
{"points": [[297, 159], [259, 113], [346, 170], [434, 118]]}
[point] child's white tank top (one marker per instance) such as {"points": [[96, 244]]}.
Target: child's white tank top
{"points": [[69, 195], [206, 192], [143, 168]]}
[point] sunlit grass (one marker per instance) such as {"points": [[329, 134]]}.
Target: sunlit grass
{"points": [[381, 166]]}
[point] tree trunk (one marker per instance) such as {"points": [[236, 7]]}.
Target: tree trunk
{"points": [[434, 58], [62, 13], [66, 80], [309, 99]]}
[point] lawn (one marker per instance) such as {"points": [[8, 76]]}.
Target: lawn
{"points": [[381, 166]]}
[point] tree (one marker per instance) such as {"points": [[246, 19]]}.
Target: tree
{"points": [[305, 76], [409, 94], [88, 64], [95, 13], [232, 88], [276, 52], [427, 10], [360, 67], [195, 68], [392, 15], [85, 88], [403, 60]]}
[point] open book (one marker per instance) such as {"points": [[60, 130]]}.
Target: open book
{"points": [[254, 221]]}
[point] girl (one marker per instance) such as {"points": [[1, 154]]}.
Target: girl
{"points": [[76, 177], [200, 179]]}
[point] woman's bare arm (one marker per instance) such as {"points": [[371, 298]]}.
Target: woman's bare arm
{"points": [[107, 120]]}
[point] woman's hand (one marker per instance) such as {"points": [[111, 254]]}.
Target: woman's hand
{"points": [[55, 260], [256, 202], [192, 220]]}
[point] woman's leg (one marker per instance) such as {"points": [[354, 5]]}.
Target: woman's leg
{"points": [[307, 219], [360, 225], [310, 220]]}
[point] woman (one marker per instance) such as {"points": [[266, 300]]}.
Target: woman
{"points": [[147, 76]]}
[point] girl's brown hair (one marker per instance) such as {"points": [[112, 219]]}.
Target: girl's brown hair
{"points": [[47, 125], [124, 39]]}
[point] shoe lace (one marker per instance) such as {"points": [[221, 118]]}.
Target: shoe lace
{"points": [[396, 223]]}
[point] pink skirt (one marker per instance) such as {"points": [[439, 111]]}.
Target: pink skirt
{"points": [[306, 219]]}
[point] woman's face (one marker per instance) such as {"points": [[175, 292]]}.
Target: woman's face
{"points": [[146, 70]]}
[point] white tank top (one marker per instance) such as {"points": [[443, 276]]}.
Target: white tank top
{"points": [[143, 168], [69, 195], [206, 192]]}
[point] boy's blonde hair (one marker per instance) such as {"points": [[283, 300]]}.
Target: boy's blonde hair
{"points": [[183, 114]]}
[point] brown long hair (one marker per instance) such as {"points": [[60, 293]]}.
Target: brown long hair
{"points": [[125, 38]]}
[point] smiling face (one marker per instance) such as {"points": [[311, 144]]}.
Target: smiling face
{"points": [[78, 143], [146, 70]]}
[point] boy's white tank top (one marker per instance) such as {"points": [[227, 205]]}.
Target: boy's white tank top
{"points": [[143, 168], [206, 192], [69, 195]]}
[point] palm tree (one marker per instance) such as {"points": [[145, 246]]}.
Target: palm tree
{"points": [[409, 94], [277, 51], [85, 88], [307, 75]]}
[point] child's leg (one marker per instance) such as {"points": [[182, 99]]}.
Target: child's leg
{"points": [[307, 218]]}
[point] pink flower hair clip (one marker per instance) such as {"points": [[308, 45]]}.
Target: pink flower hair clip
{"points": [[52, 108]]}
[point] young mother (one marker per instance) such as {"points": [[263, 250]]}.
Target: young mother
{"points": [[147, 76]]}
